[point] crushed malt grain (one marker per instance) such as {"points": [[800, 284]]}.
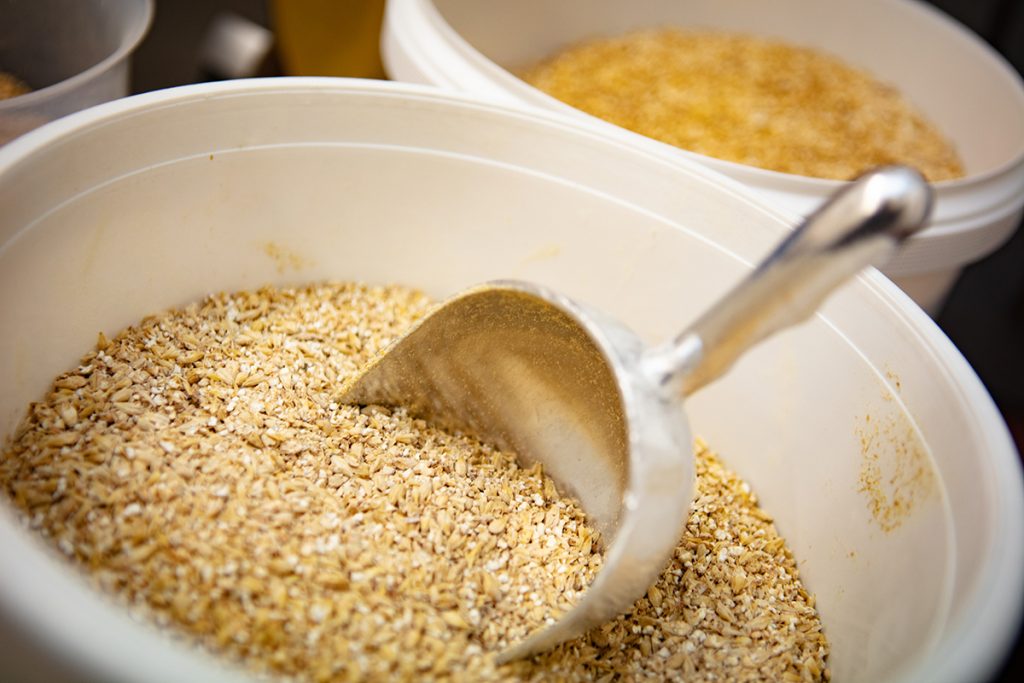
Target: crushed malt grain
{"points": [[749, 100], [197, 468]]}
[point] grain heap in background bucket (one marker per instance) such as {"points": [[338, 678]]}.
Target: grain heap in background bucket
{"points": [[749, 100]]}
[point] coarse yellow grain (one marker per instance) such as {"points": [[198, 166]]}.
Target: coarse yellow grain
{"points": [[11, 86], [216, 488], [749, 100]]}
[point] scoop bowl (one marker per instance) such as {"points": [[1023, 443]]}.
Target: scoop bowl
{"points": [[531, 370]]}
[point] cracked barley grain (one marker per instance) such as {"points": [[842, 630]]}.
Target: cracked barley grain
{"points": [[196, 466], [749, 100]]}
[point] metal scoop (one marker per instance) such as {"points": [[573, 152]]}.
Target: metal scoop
{"points": [[528, 369]]}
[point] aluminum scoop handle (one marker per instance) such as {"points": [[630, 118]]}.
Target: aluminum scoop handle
{"points": [[863, 224]]}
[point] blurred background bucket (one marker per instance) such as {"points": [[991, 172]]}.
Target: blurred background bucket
{"points": [[71, 53], [961, 84]]}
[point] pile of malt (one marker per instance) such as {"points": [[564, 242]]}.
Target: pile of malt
{"points": [[197, 467], [748, 100]]}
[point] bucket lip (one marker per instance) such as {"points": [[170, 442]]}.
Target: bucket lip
{"points": [[762, 179], [427, 10], [130, 41], [1001, 608], [79, 122]]}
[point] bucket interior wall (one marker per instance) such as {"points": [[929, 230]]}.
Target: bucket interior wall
{"points": [[254, 187]]}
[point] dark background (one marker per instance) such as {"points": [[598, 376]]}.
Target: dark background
{"points": [[984, 314]]}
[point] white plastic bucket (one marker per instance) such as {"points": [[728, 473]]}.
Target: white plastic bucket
{"points": [[386, 182], [73, 55], [958, 81]]}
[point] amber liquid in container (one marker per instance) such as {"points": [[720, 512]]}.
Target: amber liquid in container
{"points": [[329, 37]]}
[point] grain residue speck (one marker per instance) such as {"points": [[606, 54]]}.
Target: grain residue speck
{"points": [[896, 473]]}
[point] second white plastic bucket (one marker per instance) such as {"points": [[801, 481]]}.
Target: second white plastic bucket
{"points": [[960, 83]]}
